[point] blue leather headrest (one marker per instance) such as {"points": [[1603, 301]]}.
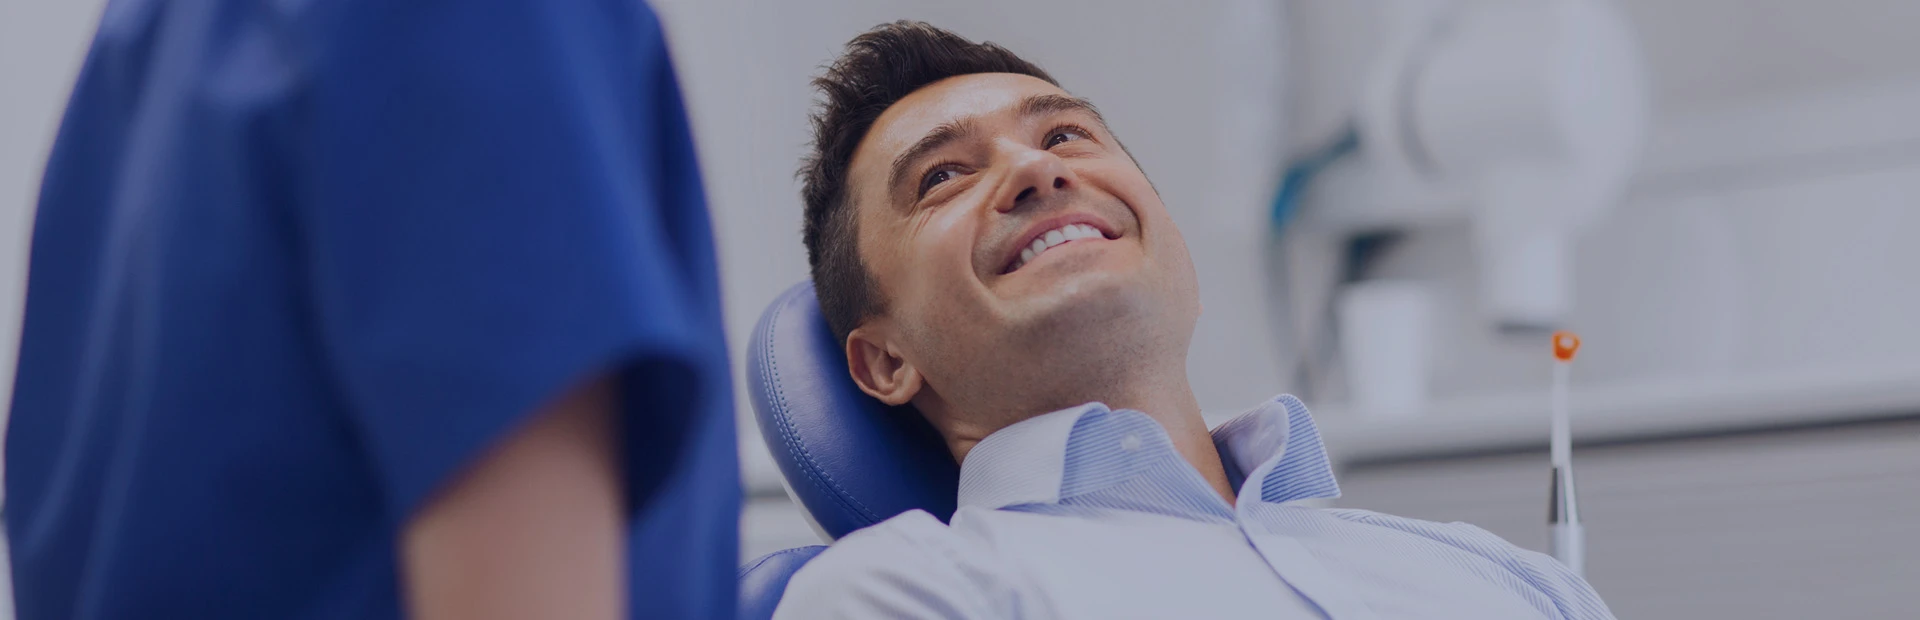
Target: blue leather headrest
{"points": [[852, 461]]}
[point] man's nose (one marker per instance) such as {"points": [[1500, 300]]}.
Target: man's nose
{"points": [[1032, 176]]}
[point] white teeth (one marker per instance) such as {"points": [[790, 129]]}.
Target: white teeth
{"points": [[1055, 237]]}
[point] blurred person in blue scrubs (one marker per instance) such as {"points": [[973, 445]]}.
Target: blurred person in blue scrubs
{"points": [[364, 309], [991, 255]]}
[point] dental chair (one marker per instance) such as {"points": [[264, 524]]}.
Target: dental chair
{"points": [[849, 461]]}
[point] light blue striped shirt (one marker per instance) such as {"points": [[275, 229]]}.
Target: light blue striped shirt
{"points": [[1091, 513]]}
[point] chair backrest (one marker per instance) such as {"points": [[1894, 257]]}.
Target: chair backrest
{"points": [[764, 580], [850, 460]]}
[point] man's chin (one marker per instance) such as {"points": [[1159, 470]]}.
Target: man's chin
{"points": [[1085, 304]]}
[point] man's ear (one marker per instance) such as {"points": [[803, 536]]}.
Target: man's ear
{"points": [[879, 370]]}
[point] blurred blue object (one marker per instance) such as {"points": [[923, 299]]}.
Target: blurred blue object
{"points": [[1311, 350], [1294, 184], [296, 265]]}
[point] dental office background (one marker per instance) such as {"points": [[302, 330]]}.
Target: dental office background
{"points": [[1386, 199]]}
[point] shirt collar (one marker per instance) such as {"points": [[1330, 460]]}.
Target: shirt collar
{"points": [[1276, 444], [1023, 463]]}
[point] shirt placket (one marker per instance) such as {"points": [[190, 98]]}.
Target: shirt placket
{"points": [[1291, 561]]}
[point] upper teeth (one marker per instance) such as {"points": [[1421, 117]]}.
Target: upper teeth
{"points": [[1055, 237]]}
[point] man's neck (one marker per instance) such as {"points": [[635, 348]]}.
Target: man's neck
{"points": [[1177, 411], [1169, 403]]}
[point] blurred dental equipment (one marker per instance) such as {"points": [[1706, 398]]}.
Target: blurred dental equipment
{"points": [[1569, 543], [1523, 118]]}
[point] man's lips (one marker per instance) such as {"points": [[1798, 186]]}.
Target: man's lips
{"points": [[1044, 235]]}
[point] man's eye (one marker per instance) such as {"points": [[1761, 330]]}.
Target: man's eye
{"points": [[1064, 135], [936, 177]]}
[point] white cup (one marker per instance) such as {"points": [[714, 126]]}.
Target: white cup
{"points": [[1385, 329]]}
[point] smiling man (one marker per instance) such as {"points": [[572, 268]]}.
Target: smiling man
{"points": [[991, 254]]}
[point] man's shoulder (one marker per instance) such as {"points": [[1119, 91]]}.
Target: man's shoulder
{"points": [[889, 546], [913, 528], [1570, 593], [911, 565], [911, 522], [1459, 536]]}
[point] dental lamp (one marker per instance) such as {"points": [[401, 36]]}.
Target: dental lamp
{"points": [[1523, 116]]}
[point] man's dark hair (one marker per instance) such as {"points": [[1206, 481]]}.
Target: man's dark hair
{"points": [[879, 67]]}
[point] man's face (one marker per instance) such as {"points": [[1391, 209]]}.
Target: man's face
{"points": [[1018, 247]]}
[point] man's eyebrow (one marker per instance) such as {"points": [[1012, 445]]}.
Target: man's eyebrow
{"points": [[946, 133], [1041, 105]]}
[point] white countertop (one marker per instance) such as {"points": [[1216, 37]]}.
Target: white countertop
{"points": [[1623, 412]]}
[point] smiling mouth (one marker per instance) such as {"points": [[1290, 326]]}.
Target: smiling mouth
{"points": [[1053, 239]]}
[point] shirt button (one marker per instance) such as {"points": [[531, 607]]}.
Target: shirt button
{"points": [[1130, 442]]}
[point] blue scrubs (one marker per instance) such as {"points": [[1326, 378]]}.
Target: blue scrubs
{"points": [[297, 264]]}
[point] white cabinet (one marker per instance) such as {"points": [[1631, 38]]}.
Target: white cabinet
{"points": [[1817, 522]]}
